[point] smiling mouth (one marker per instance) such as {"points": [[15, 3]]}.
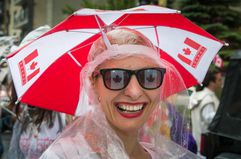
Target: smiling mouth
{"points": [[130, 110]]}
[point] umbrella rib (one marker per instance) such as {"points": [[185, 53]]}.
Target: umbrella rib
{"points": [[145, 27], [80, 31], [74, 59], [81, 47], [157, 39], [127, 15]]}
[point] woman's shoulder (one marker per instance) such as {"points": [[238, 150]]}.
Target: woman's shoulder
{"points": [[69, 147]]}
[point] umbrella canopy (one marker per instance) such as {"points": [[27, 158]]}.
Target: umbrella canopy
{"points": [[46, 70]]}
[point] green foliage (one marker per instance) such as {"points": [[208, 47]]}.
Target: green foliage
{"points": [[233, 38], [88, 4], [226, 53], [204, 18], [216, 2], [216, 28], [120, 4], [68, 10], [232, 19], [183, 3], [104, 5]]}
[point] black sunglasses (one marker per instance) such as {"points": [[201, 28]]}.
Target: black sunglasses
{"points": [[117, 79]]}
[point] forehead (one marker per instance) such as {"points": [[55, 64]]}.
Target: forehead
{"points": [[129, 62]]}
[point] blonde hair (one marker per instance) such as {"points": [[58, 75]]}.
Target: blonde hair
{"points": [[118, 36]]}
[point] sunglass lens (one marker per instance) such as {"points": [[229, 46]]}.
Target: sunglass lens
{"points": [[116, 79], [150, 78]]}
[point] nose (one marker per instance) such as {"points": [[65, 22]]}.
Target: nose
{"points": [[133, 89]]}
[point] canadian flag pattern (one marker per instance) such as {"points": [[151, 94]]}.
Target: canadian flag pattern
{"points": [[28, 67], [199, 51]]}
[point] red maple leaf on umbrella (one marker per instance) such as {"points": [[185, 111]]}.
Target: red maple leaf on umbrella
{"points": [[33, 65], [187, 51]]}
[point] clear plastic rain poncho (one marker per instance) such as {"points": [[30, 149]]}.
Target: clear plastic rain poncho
{"points": [[165, 134]]}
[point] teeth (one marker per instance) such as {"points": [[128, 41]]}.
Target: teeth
{"points": [[130, 108]]}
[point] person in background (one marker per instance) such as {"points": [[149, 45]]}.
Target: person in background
{"points": [[204, 104], [4, 99], [35, 128]]}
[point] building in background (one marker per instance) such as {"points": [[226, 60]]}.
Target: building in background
{"points": [[18, 17]]}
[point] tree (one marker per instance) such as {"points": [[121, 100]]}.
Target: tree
{"points": [[105, 5], [146, 2], [221, 18]]}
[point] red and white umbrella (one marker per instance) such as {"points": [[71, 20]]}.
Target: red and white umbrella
{"points": [[46, 71]]}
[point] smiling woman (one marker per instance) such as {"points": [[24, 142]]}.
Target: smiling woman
{"points": [[125, 85]]}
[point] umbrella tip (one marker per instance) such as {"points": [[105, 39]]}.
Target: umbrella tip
{"points": [[178, 11], [226, 44], [17, 101], [3, 61]]}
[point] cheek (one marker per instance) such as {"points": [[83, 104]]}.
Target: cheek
{"points": [[155, 100], [155, 96], [99, 87]]}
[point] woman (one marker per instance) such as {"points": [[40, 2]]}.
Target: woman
{"points": [[124, 86]]}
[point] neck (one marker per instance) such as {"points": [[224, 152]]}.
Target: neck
{"points": [[132, 145], [129, 140], [212, 88]]}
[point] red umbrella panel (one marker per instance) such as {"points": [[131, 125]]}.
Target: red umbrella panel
{"points": [[46, 72]]}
